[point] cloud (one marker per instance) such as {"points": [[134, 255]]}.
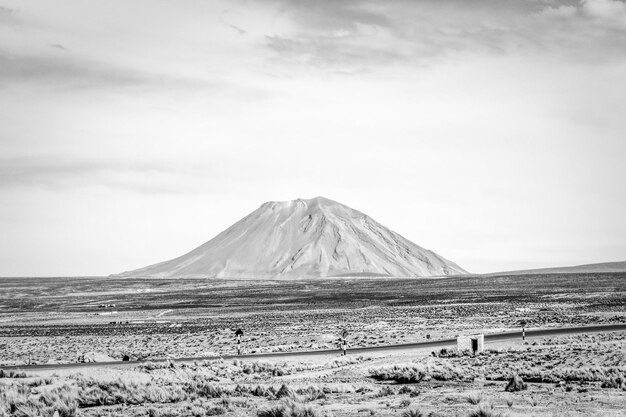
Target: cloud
{"points": [[58, 46], [336, 16], [604, 9], [600, 12], [59, 173], [591, 31], [6, 10], [72, 73], [237, 29], [367, 34], [61, 71], [7, 16], [33, 52], [323, 51]]}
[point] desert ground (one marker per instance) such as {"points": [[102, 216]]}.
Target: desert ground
{"points": [[59, 320]]}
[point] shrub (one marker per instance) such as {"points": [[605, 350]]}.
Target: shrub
{"points": [[12, 374], [95, 393], [405, 403], [414, 412], [405, 390], [260, 391], [264, 367], [385, 391], [17, 401], [616, 382], [312, 393], [289, 409], [415, 373], [474, 399], [515, 384], [286, 392], [484, 412], [206, 390]]}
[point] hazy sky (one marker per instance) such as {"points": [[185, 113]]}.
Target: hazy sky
{"points": [[490, 131]]}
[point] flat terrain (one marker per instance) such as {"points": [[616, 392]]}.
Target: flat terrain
{"points": [[59, 320]]}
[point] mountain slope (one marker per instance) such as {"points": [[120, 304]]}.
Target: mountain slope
{"points": [[578, 269], [303, 239]]}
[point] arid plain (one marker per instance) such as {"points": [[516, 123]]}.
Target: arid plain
{"points": [[63, 320]]}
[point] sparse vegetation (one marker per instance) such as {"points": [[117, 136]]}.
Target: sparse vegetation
{"points": [[12, 374], [613, 382], [136, 332], [415, 373], [16, 400], [580, 369]]}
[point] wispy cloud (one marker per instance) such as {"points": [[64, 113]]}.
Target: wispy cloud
{"points": [[6, 10], [599, 14], [237, 29], [33, 53], [328, 50], [63, 72], [58, 46], [363, 33], [156, 177], [61, 69]]}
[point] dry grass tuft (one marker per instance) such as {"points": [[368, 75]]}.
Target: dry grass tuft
{"points": [[515, 384], [412, 412], [289, 409], [17, 400], [474, 399], [12, 374], [484, 412], [419, 372]]}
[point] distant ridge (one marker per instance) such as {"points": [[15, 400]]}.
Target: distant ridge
{"points": [[580, 269], [304, 239]]}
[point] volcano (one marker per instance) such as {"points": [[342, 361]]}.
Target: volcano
{"points": [[304, 239]]}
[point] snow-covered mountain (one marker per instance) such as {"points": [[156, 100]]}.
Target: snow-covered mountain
{"points": [[304, 239]]}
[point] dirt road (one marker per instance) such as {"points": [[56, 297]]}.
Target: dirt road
{"points": [[489, 338]]}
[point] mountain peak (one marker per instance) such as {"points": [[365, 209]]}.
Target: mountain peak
{"points": [[310, 202], [321, 200], [304, 238]]}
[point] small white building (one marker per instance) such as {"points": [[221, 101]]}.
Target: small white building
{"points": [[474, 343]]}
